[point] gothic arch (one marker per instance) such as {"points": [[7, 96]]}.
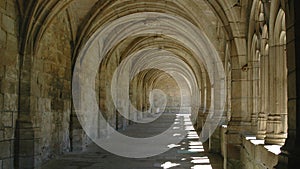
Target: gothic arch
{"points": [[277, 119]]}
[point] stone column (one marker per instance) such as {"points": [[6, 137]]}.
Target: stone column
{"points": [[25, 144], [219, 116], [276, 124], [290, 156], [262, 115], [261, 125], [240, 118]]}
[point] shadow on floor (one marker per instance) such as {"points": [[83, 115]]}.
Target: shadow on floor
{"points": [[188, 154]]}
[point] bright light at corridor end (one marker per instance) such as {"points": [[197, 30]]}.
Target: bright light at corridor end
{"points": [[150, 23]]}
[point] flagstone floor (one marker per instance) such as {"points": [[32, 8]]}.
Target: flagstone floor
{"points": [[187, 154]]}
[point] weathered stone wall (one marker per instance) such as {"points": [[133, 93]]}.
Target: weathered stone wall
{"points": [[9, 68], [51, 89], [256, 156], [172, 91]]}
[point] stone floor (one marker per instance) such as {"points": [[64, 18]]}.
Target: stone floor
{"points": [[189, 153]]}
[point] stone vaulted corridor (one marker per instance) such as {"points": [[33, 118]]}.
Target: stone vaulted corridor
{"points": [[149, 84]]}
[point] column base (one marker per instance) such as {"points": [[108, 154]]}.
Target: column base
{"points": [[24, 145], [277, 139], [261, 135]]}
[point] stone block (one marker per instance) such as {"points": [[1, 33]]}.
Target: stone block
{"points": [[62, 59], [47, 105], [61, 72], [10, 102], [26, 147], [258, 153], [36, 89], [26, 162], [2, 71], [9, 133], [57, 105], [5, 149], [1, 101], [15, 117], [54, 69], [9, 57], [40, 78], [3, 4], [68, 75], [39, 67], [8, 24], [24, 103], [25, 76], [1, 132], [2, 38], [41, 105], [248, 147], [66, 95], [8, 163], [67, 106], [11, 9], [12, 45], [8, 87], [47, 68], [237, 86], [6, 119]]}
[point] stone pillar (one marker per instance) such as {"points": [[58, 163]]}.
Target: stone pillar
{"points": [[262, 115], [256, 95], [25, 144], [290, 156], [276, 124], [261, 126], [219, 102], [274, 134], [240, 120]]}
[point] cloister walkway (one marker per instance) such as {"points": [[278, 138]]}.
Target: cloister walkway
{"points": [[188, 154]]}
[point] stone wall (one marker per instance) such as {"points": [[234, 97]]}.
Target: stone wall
{"points": [[254, 154], [51, 89], [9, 69]]}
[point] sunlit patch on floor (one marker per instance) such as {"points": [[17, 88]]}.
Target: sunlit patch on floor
{"points": [[200, 160], [173, 145], [187, 123], [176, 134], [169, 164], [250, 137], [202, 167], [189, 128], [274, 149], [193, 136], [196, 147], [195, 143], [257, 142], [196, 150]]}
